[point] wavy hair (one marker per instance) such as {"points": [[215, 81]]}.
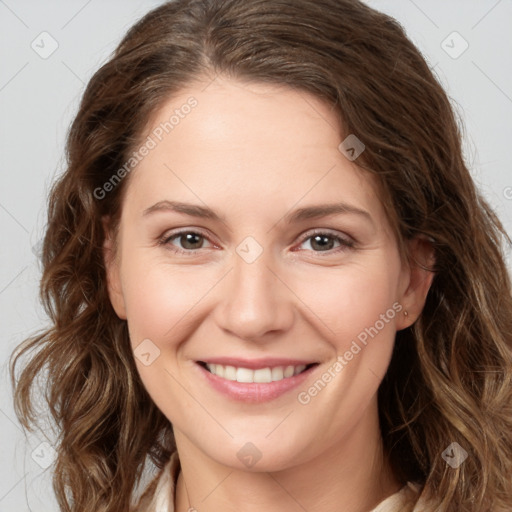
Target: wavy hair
{"points": [[450, 377]]}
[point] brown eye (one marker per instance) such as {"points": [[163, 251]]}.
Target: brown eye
{"points": [[327, 242], [190, 240], [184, 241], [322, 242]]}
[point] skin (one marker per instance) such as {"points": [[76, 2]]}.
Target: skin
{"points": [[253, 153]]}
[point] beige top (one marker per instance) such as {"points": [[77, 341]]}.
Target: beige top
{"points": [[160, 494]]}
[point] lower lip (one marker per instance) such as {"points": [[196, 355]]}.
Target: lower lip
{"points": [[254, 392]]}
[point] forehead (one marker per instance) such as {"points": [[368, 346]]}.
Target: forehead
{"points": [[229, 138], [246, 114]]}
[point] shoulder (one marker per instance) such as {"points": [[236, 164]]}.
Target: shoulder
{"points": [[159, 494], [407, 499]]}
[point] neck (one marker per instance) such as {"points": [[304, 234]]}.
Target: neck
{"points": [[353, 475]]}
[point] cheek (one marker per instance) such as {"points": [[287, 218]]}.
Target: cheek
{"points": [[355, 309], [164, 302], [349, 301]]}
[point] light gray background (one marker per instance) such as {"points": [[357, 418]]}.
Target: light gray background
{"points": [[38, 98]]}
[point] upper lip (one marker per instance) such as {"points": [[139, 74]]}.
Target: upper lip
{"points": [[256, 364]]}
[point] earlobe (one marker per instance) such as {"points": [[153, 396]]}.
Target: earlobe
{"points": [[111, 262], [420, 276]]}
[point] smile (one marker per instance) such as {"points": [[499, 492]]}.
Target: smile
{"points": [[254, 381], [261, 375]]}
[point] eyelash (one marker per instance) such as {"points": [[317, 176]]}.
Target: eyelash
{"points": [[345, 243]]}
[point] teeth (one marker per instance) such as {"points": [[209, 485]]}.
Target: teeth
{"points": [[244, 375], [229, 371], [288, 371], [277, 373], [299, 369], [262, 375], [219, 370]]}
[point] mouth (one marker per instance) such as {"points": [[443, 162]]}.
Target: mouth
{"points": [[263, 375], [253, 381]]}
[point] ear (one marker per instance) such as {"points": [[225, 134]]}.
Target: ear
{"points": [[111, 261], [418, 276]]}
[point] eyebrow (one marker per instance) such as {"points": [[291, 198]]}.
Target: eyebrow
{"points": [[192, 210], [309, 212], [323, 210]]}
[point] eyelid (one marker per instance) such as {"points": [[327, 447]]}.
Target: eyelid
{"points": [[166, 237], [327, 231], [345, 240]]}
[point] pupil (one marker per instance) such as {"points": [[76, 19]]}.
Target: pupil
{"points": [[324, 242], [190, 240]]}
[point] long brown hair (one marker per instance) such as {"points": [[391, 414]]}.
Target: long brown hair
{"points": [[450, 378]]}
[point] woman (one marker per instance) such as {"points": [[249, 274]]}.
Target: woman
{"points": [[270, 273]]}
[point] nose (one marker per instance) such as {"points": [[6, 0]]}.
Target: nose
{"points": [[256, 304]]}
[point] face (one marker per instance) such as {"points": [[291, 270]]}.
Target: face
{"points": [[259, 276]]}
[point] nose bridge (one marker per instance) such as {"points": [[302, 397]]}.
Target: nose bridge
{"points": [[255, 301]]}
